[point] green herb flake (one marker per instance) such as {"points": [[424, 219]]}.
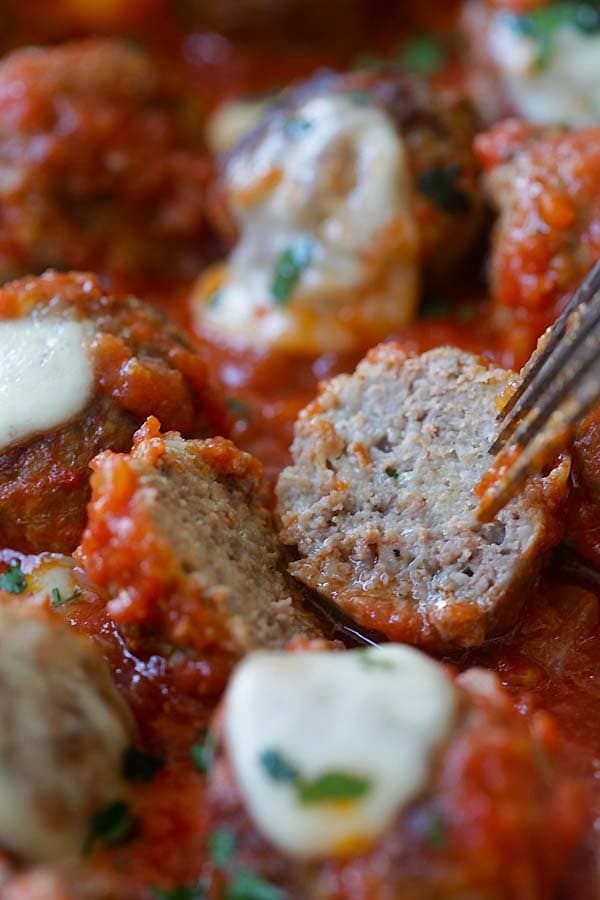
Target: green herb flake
{"points": [[434, 308], [541, 25], [436, 833], [332, 787], [294, 126], [57, 599], [289, 268], [111, 825], [238, 408], [185, 892], [245, 885], [392, 473], [278, 767], [439, 185], [370, 659], [423, 55], [465, 313], [140, 767], [360, 98], [203, 754], [221, 844], [13, 581]]}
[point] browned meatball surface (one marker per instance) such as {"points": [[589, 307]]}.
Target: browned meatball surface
{"points": [[180, 538], [102, 164], [134, 361]]}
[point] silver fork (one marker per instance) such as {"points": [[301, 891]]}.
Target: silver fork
{"points": [[558, 386]]}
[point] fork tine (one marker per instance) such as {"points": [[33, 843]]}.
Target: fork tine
{"points": [[565, 372], [588, 308], [543, 449], [517, 402]]}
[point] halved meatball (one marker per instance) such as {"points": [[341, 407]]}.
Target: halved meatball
{"points": [[179, 536], [80, 370], [63, 731], [380, 500], [102, 164], [534, 58], [353, 730], [342, 195]]}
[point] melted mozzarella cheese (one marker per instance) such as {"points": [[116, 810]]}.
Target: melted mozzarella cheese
{"points": [[334, 178], [232, 121], [564, 89], [379, 716], [63, 731], [46, 376]]}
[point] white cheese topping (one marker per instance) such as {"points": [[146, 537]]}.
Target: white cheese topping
{"points": [[63, 731], [46, 376], [375, 717], [564, 87], [333, 179]]}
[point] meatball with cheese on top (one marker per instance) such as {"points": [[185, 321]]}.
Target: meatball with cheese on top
{"points": [[539, 59], [380, 500], [103, 165], [341, 197], [63, 731], [80, 370], [374, 774]]}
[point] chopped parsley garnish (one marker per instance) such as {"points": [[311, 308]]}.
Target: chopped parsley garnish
{"points": [[112, 824], [13, 581], [392, 473], [277, 766], [332, 786], [238, 408], [185, 892], [436, 833], [140, 767], [372, 660], [245, 885], [439, 185], [203, 754], [434, 308], [326, 788], [541, 24], [295, 126], [221, 844], [289, 267], [213, 299], [361, 98], [423, 55], [57, 599]]}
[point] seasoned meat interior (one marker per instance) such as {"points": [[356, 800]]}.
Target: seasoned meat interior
{"points": [[180, 536], [380, 499]]}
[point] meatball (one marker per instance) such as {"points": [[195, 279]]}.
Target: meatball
{"points": [[341, 196], [102, 165], [64, 729], [373, 774], [380, 500], [539, 59], [79, 372], [179, 536], [545, 184]]}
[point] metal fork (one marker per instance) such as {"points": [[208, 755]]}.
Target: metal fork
{"points": [[558, 386]]}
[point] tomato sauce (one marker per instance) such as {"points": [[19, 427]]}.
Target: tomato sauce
{"points": [[551, 661]]}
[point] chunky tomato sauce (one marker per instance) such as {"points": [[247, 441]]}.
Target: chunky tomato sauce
{"points": [[550, 662]]}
